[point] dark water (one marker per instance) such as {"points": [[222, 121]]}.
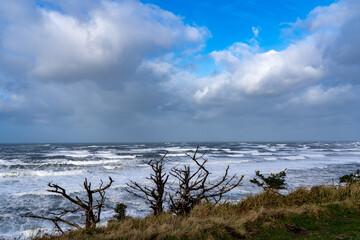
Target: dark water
{"points": [[25, 171]]}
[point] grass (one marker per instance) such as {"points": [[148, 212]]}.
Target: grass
{"points": [[322, 212]]}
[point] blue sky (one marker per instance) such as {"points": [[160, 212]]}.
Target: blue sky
{"points": [[231, 20], [154, 70]]}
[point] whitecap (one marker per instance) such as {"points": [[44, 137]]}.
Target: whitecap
{"points": [[251, 152], [41, 173], [47, 173], [174, 155], [9, 174], [97, 162], [110, 155], [3, 162], [113, 167], [127, 156], [314, 155], [262, 154], [298, 157], [227, 162], [235, 155], [22, 194], [73, 154]]}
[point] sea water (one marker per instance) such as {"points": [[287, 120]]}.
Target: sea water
{"points": [[25, 171]]}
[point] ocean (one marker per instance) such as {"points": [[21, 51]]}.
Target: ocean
{"points": [[26, 169]]}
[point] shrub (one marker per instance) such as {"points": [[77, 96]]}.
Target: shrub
{"points": [[273, 182], [120, 210], [350, 178]]}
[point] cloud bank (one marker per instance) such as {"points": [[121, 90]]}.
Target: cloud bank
{"points": [[124, 71]]}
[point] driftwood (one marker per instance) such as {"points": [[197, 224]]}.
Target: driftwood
{"points": [[91, 208], [194, 187], [155, 196]]}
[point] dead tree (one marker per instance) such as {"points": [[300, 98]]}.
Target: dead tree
{"points": [[155, 196], [194, 187], [91, 208]]}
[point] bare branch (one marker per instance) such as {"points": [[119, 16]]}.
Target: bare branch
{"points": [[87, 206], [193, 187], [55, 219], [155, 195]]}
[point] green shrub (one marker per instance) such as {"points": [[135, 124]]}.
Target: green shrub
{"points": [[273, 182], [120, 209], [350, 178]]}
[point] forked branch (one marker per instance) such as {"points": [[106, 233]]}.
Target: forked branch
{"points": [[194, 187], [155, 195], [92, 210]]}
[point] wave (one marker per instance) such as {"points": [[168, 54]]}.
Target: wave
{"points": [[3, 162], [227, 150], [9, 174], [180, 149], [261, 154], [72, 154], [227, 162], [298, 157], [97, 162], [41, 173], [270, 158], [235, 155], [314, 155], [112, 155], [113, 167], [174, 155], [37, 193]]}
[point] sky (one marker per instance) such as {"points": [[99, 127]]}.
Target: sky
{"points": [[180, 70]]}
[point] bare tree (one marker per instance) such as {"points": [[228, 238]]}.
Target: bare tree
{"points": [[92, 210], [155, 195], [194, 186]]}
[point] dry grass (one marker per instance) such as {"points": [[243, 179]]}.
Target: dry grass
{"points": [[228, 221]]}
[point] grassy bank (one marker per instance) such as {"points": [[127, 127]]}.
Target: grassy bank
{"points": [[322, 212]]}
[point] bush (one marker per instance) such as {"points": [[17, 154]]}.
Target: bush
{"points": [[350, 178], [273, 182], [120, 210]]}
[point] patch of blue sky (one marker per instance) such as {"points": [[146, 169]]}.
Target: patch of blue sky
{"points": [[231, 21], [48, 6], [205, 66]]}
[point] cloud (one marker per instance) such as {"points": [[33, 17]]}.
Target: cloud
{"points": [[114, 39], [255, 31], [128, 67], [248, 72], [318, 95], [64, 64], [327, 56]]}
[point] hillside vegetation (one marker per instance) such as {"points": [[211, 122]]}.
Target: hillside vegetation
{"points": [[322, 212]]}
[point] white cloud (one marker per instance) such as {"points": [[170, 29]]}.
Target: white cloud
{"points": [[329, 18], [70, 66], [115, 37], [318, 95], [318, 58], [255, 31], [251, 73]]}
